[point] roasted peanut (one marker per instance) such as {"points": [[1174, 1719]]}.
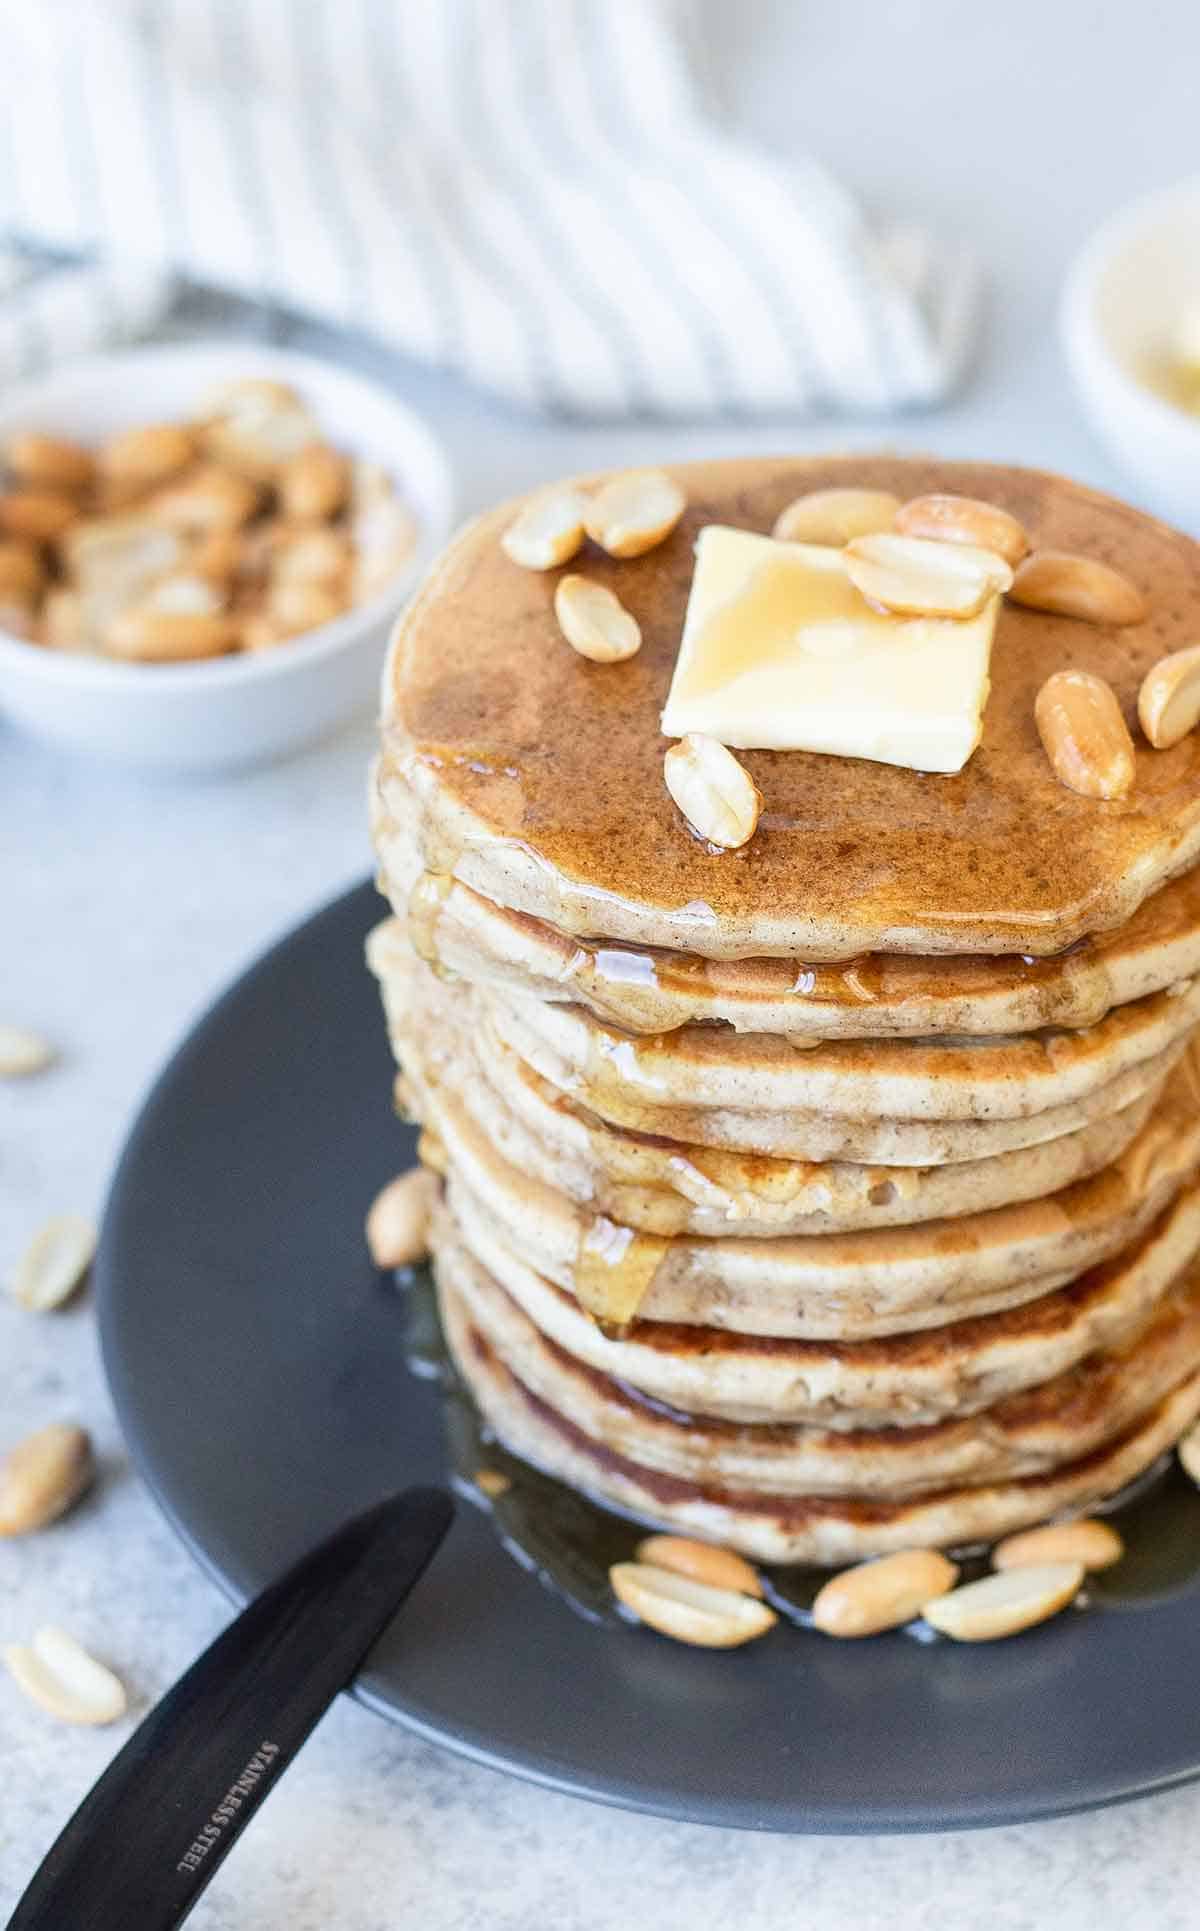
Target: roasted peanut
{"points": [[633, 512], [54, 1263], [715, 793], [1093, 1544], [547, 531], [834, 517], [702, 1561], [23, 1053], [1169, 700], [1084, 734], [44, 1476], [56, 1673], [398, 1223], [39, 516], [964, 519], [690, 1611], [594, 621], [43, 462], [1072, 586], [22, 572], [1005, 1603], [148, 456], [919, 578], [314, 484], [207, 498], [882, 1594]]}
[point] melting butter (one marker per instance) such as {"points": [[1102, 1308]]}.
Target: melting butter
{"points": [[781, 652], [614, 1270]]}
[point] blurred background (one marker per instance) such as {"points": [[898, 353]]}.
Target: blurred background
{"points": [[540, 238]]}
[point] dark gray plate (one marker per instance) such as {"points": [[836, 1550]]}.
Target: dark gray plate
{"points": [[256, 1365]]}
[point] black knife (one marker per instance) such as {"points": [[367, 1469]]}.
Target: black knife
{"points": [[149, 1836]]}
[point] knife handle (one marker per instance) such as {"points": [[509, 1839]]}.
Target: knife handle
{"points": [[151, 1833]]}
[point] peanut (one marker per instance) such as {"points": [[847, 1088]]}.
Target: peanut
{"points": [[964, 519], [1072, 586], [44, 1476], [311, 556], [547, 532], [716, 794], [314, 484], [48, 462], [918, 578], [147, 456], [23, 1053], [22, 573], [1094, 1545], [40, 516], [634, 512], [209, 498], [833, 517], [690, 1611], [398, 1223], [1005, 1603], [595, 622], [56, 1673], [1084, 734], [1169, 700], [702, 1561], [54, 1263], [882, 1594]]}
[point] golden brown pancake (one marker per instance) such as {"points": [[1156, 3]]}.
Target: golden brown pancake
{"points": [[539, 774]]}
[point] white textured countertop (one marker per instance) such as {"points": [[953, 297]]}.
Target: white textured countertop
{"points": [[126, 906]]}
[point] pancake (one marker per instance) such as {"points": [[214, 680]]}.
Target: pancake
{"points": [[876, 996], [1030, 1433], [886, 1380], [882, 1281], [618, 1084], [538, 775], [825, 1530], [460, 1084]]}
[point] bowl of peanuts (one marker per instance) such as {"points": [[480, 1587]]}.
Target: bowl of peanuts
{"points": [[203, 548]]}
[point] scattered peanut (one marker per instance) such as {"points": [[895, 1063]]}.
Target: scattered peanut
{"points": [[964, 519], [54, 1263], [882, 1594], [1169, 700], [1093, 1544], [1005, 1603], [716, 794], [1188, 1450], [595, 622], [1071, 586], [634, 512], [702, 1561], [834, 517], [690, 1611], [44, 1476], [492, 1482], [547, 532], [23, 1053], [48, 462], [398, 1223], [1084, 734], [57, 1673], [920, 578]]}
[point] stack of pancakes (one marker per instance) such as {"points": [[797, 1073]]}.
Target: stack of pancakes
{"points": [[839, 1194]]}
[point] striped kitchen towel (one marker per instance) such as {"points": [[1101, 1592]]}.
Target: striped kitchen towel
{"points": [[529, 192]]}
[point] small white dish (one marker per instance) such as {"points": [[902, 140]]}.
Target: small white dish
{"points": [[1126, 292], [235, 710]]}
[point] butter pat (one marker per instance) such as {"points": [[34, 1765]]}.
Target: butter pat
{"points": [[780, 652]]}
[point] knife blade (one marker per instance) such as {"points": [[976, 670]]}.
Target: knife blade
{"points": [[152, 1832]]}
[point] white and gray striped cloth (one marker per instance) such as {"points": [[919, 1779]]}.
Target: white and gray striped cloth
{"points": [[525, 191]]}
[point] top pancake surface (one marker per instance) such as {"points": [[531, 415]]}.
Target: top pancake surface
{"points": [[539, 774]]}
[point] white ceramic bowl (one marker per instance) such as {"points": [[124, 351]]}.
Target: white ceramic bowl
{"points": [[1125, 291], [230, 710]]}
